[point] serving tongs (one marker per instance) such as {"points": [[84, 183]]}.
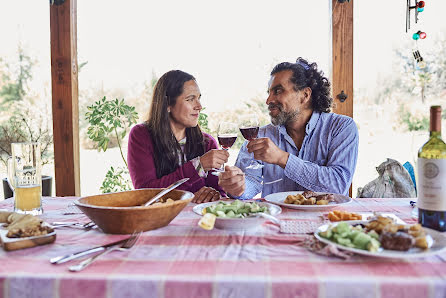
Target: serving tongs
{"points": [[60, 224], [166, 190]]}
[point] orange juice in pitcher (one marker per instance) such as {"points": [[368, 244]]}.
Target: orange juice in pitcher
{"points": [[25, 177]]}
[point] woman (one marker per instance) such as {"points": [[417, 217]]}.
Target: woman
{"points": [[170, 146]]}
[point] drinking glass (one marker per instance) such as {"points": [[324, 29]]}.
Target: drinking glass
{"points": [[25, 177], [249, 127], [227, 135]]}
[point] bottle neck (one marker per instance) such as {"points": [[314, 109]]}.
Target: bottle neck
{"points": [[435, 134]]}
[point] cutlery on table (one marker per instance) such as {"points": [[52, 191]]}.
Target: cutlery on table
{"points": [[164, 191], [124, 247], [66, 258], [61, 224]]}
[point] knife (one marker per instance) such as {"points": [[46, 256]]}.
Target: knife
{"points": [[66, 258]]}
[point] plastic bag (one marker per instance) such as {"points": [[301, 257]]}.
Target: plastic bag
{"points": [[394, 181]]}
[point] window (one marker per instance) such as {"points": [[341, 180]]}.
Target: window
{"points": [[230, 47], [392, 96], [25, 78]]}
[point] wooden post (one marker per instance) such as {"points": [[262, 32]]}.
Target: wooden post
{"points": [[63, 26], [342, 58]]}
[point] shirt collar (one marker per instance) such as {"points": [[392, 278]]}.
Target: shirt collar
{"points": [[312, 123], [182, 142], [308, 128]]}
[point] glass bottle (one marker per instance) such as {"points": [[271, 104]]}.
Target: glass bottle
{"points": [[431, 186]]}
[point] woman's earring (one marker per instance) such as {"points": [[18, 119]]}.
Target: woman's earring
{"points": [[168, 110]]}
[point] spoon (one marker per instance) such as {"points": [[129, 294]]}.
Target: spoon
{"points": [[164, 191]]}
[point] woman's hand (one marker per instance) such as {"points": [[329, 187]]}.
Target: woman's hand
{"points": [[214, 159], [206, 194]]}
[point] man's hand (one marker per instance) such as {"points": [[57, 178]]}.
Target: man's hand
{"points": [[214, 158], [206, 194], [265, 150], [232, 180]]}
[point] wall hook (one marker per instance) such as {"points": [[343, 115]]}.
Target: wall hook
{"points": [[341, 96]]}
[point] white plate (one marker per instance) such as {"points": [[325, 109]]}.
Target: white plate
{"points": [[238, 223], [279, 199], [436, 241]]}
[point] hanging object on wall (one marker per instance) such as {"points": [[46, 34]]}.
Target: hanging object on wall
{"points": [[419, 60], [418, 7], [419, 35]]}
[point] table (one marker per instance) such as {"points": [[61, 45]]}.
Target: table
{"points": [[183, 260]]}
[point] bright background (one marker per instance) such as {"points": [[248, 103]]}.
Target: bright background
{"points": [[230, 47]]}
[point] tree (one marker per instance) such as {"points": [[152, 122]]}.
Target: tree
{"points": [[419, 86], [14, 88], [21, 119]]}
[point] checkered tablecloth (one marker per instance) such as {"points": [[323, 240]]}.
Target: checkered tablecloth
{"points": [[183, 260]]}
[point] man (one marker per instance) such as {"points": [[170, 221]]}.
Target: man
{"points": [[306, 145]]}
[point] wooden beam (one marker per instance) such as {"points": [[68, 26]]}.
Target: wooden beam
{"points": [[342, 56], [63, 27]]}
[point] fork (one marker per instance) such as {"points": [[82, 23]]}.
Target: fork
{"points": [[124, 247]]}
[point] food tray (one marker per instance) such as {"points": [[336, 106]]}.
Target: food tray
{"points": [[25, 242]]}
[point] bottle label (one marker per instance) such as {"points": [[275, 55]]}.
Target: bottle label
{"points": [[431, 186]]}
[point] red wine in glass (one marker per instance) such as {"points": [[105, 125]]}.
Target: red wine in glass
{"points": [[249, 133], [227, 140], [226, 134]]}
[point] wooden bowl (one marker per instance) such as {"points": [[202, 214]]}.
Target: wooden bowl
{"points": [[122, 213]]}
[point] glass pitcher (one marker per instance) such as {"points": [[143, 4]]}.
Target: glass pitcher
{"points": [[25, 177]]}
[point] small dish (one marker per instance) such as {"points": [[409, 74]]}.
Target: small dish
{"points": [[279, 199], [238, 223], [26, 242]]}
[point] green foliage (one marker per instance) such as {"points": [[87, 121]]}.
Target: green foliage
{"points": [[414, 123], [107, 118], [115, 180], [21, 127], [23, 120], [15, 89], [203, 122]]}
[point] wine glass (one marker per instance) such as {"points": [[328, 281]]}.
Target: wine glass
{"points": [[249, 127], [227, 135]]}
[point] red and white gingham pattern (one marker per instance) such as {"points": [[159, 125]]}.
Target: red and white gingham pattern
{"points": [[183, 260]]}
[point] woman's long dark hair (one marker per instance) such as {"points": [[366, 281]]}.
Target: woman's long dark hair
{"points": [[165, 145]]}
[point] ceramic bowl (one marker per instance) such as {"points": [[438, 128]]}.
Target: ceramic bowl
{"points": [[122, 213], [239, 223]]}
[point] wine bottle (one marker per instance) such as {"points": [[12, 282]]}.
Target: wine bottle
{"points": [[431, 184]]}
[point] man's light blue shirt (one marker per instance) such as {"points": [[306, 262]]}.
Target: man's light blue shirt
{"points": [[325, 163]]}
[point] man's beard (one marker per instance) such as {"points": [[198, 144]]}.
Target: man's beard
{"points": [[283, 117]]}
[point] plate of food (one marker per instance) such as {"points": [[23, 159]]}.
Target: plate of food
{"points": [[23, 231], [383, 237], [308, 200], [236, 215]]}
